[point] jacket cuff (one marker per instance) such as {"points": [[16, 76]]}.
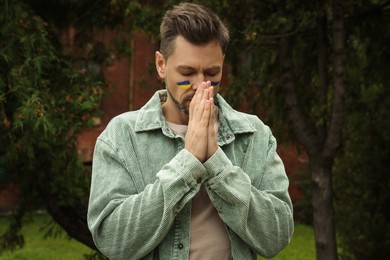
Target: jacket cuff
{"points": [[191, 169], [217, 163]]}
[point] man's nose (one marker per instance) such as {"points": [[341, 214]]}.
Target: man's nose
{"points": [[197, 81]]}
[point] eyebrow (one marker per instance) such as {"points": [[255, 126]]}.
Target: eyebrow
{"points": [[186, 67]]}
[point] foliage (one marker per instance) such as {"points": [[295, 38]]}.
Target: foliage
{"points": [[45, 101], [362, 179], [361, 173], [47, 97], [256, 28]]}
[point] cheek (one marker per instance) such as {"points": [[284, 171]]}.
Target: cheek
{"points": [[178, 86], [175, 90]]}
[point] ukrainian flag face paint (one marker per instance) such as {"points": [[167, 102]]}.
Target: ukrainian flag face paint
{"points": [[214, 83], [186, 84]]}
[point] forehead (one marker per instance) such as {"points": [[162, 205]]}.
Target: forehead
{"points": [[186, 53]]}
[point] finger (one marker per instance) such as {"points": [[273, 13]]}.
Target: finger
{"points": [[212, 117], [211, 100], [199, 102], [196, 98], [211, 90], [199, 93], [205, 118], [203, 109]]}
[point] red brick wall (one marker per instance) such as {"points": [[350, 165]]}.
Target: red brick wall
{"points": [[132, 81], [9, 194], [296, 163]]}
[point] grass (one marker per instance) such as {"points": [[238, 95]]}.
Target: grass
{"points": [[301, 247], [63, 248], [37, 246]]}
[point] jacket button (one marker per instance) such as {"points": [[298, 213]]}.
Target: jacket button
{"points": [[180, 246]]}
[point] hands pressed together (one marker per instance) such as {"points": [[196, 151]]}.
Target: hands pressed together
{"points": [[201, 138]]}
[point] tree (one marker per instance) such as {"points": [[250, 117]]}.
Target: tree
{"points": [[292, 58], [361, 171], [321, 143], [48, 94], [45, 101]]}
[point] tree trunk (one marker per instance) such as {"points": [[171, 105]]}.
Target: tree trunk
{"points": [[323, 212], [322, 197], [321, 144]]}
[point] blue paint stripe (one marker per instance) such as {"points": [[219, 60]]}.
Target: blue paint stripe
{"points": [[186, 82]]}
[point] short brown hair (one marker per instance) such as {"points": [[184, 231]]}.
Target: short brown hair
{"points": [[195, 23]]}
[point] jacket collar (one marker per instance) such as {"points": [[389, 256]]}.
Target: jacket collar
{"points": [[231, 122]]}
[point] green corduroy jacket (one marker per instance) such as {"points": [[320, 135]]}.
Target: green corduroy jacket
{"points": [[143, 181]]}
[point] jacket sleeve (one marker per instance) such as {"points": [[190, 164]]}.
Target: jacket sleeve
{"points": [[127, 223], [257, 209]]}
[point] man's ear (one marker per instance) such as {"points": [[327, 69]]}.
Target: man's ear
{"points": [[160, 64]]}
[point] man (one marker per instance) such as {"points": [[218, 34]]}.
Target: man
{"points": [[186, 176]]}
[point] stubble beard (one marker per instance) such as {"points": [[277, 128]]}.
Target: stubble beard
{"points": [[182, 108]]}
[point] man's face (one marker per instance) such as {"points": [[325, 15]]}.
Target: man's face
{"points": [[189, 62]]}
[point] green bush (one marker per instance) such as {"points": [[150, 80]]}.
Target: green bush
{"points": [[362, 180], [46, 99]]}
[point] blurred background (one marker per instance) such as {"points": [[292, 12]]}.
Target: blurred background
{"points": [[316, 72]]}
